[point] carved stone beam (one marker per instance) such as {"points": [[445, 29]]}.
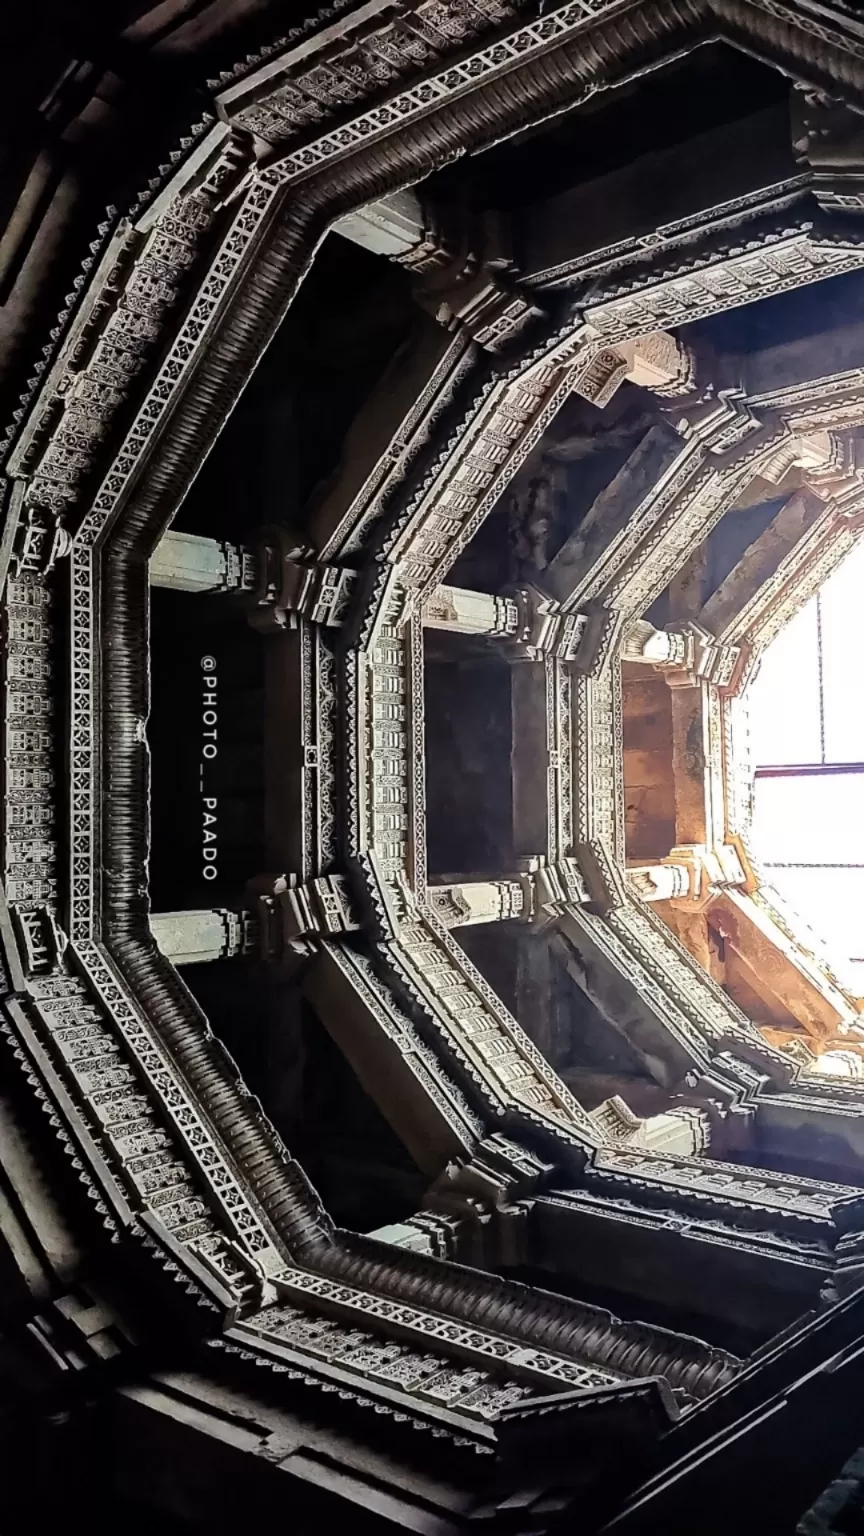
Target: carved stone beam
{"points": [[291, 916], [594, 548], [292, 584], [483, 901], [540, 889], [789, 981], [697, 767], [392, 227], [191, 937], [40, 541], [605, 883], [686, 655]]}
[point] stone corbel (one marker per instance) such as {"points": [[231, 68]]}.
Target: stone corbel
{"points": [[599, 638], [707, 871], [534, 890], [657, 361], [188, 562], [291, 915], [42, 942], [465, 275], [682, 1131], [291, 584], [543, 630], [686, 656], [482, 1206], [605, 882], [200, 936]]}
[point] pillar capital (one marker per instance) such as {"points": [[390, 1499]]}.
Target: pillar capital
{"points": [[687, 654]]}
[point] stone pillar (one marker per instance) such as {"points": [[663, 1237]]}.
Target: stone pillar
{"points": [[208, 934], [187, 563]]}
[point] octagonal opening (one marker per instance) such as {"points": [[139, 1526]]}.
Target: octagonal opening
{"points": [[807, 753]]}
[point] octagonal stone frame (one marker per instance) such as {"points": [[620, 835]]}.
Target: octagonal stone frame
{"points": [[187, 289]]}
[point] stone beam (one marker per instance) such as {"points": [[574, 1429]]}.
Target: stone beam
{"points": [[383, 1047], [629, 205], [186, 562], [194, 937], [392, 226], [779, 968], [763, 561], [659, 882], [599, 534], [465, 612], [697, 768], [383, 436]]}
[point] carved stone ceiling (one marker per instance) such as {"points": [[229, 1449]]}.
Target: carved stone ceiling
{"points": [[577, 394]]}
